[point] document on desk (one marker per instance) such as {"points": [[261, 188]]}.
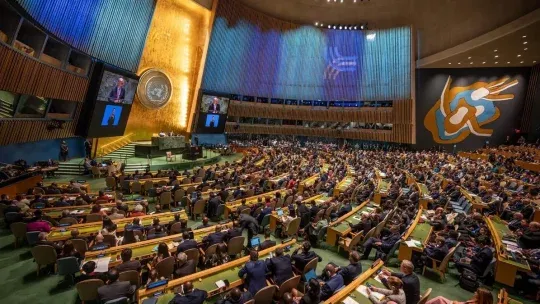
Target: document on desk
{"points": [[102, 264], [363, 290], [349, 300], [413, 243]]}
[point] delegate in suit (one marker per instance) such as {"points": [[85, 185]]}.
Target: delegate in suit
{"points": [[118, 93]]}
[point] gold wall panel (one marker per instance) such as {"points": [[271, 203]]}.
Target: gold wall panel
{"points": [[175, 44]]}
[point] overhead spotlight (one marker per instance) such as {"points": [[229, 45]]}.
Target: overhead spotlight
{"points": [[449, 63], [496, 62], [329, 26], [522, 61], [496, 56], [322, 24], [334, 27], [340, 27], [469, 57], [495, 50], [316, 23], [459, 63], [524, 36], [508, 62], [371, 36], [355, 27], [484, 62], [534, 61], [524, 42], [519, 55], [525, 49], [361, 27], [471, 62]]}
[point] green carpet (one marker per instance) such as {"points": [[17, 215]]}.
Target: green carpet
{"points": [[20, 283]]}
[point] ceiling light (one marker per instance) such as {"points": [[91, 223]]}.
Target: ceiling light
{"points": [[525, 49], [524, 36], [494, 50], [534, 61], [341, 1], [496, 56], [496, 62], [519, 55], [355, 27], [471, 62], [334, 27], [459, 63], [449, 63], [329, 26], [322, 24], [508, 62], [316, 23], [524, 42], [340, 27], [469, 57], [371, 36], [522, 61], [484, 62], [361, 27]]}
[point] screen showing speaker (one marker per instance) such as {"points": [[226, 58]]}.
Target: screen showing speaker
{"points": [[117, 88], [112, 104], [214, 104]]}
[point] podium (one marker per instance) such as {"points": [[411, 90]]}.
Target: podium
{"points": [[193, 153]]}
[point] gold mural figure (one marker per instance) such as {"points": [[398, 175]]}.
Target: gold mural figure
{"points": [[464, 110]]}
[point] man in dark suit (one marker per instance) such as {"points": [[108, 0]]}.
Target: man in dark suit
{"points": [[280, 266], [115, 289], [235, 231], [363, 226], [345, 208], [267, 240], [186, 243], [213, 203], [250, 223], [214, 238], [351, 271], [479, 261], [214, 107], [383, 244], [184, 267], [190, 295], [158, 233], [267, 210], [530, 238], [411, 283], [334, 282], [204, 223], [301, 259], [127, 263], [254, 273], [118, 93]]}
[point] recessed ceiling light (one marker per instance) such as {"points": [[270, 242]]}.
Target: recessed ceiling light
{"points": [[519, 55], [334, 27], [471, 62], [508, 62], [329, 26], [449, 63], [525, 49], [524, 42], [524, 36], [484, 62], [496, 62], [316, 23], [469, 57], [522, 61], [459, 63], [494, 50], [322, 24], [534, 61]]}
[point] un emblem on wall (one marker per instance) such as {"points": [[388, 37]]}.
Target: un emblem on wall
{"points": [[155, 89]]}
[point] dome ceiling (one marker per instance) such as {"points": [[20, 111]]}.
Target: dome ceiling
{"points": [[439, 24]]}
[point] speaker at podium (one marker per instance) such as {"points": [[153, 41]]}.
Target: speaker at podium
{"points": [[193, 153]]}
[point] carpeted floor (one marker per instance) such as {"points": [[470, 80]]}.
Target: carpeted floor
{"points": [[19, 282]]}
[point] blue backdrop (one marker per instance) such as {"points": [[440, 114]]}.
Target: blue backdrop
{"points": [[307, 62], [41, 150], [111, 30]]}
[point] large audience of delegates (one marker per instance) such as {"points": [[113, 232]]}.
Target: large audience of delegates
{"points": [[507, 190]]}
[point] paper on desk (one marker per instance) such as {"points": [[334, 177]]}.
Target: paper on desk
{"points": [[369, 209], [105, 209], [379, 277], [365, 212], [102, 264], [357, 218], [170, 245], [424, 217], [413, 243], [510, 243], [363, 290], [220, 284], [76, 212], [349, 300]]}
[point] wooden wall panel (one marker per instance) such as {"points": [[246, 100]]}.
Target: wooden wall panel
{"points": [[532, 102], [400, 115], [25, 75], [22, 74]]}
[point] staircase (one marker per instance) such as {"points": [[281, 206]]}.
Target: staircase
{"points": [[6, 110], [69, 168], [126, 151]]}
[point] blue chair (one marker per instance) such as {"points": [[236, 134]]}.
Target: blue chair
{"points": [[32, 237], [68, 267]]}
